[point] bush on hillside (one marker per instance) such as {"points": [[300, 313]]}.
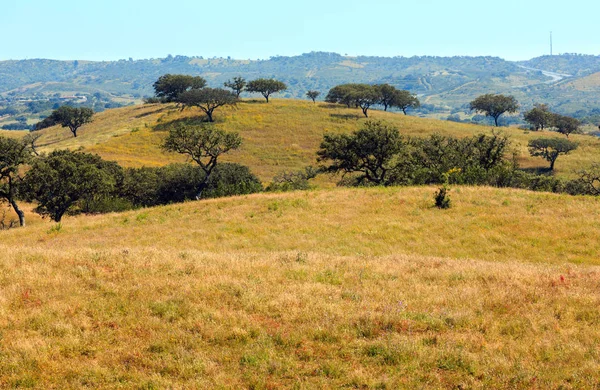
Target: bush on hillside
{"points": [[175, 183], [293, 181]]}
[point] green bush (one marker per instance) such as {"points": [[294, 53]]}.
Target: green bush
{"points": [[175, 183], [293, 181]]}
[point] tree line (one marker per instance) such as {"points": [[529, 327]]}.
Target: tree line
{"points": [[377, 154], [65, 181], [364, 96]]}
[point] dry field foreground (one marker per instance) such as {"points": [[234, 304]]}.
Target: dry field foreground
{"points": [[345, 288]]}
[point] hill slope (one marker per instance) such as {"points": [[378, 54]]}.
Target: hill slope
{"points": [[281, 135], [322, 289]]}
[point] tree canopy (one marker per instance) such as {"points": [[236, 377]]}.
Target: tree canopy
{"points": [[368, 151], [60, 180], [550, 148], [13, 155], [404, 100], [203, 144], [169, 86], [237, 84], [312, 95], [72, 117], [207, 99], [539, 117], [365, 96], [359, 95], [565, 124], [266, 87], [494, 105]]}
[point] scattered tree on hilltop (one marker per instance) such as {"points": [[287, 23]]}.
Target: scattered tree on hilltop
{"points": [[405, 100], [62, 179], [539, 117], [313, 95], [13, 155], [550, 148], [565, 124], [266, 87], [207, 99], [494, 105], [341, 94], [365, 96], [358, 95], [237, 84], [169, 86], [72, 117], [204, 145], [387, 95], [368, 151]]}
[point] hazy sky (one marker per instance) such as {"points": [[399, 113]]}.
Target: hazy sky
{"points": [[115, 29]]}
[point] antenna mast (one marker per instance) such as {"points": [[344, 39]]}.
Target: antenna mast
{"points": [[550, 42]]}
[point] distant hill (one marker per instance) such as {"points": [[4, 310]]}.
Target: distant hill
{"points": [[445, 85]]}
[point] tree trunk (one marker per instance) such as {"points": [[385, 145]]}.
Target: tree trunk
{"points": [[202, 187], [364, 110], [496, 121], [19, 212], [209, 114], [404, 111], [385, 106], [552, 164]]}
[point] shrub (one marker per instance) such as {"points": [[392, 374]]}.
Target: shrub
{"points": [[293, 181], [176, 183]]}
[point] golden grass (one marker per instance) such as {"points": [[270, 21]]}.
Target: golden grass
{"points": [[13, 133], [357, 288], [484, 223], [281, 135]]}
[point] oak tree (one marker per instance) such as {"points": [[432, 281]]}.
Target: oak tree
{"points": [[539, 117], [404, 100], [169, 86], [13, 155], [550, 148], [266, 87], [72, 117], [207, 99], [313, 95], [203, 145], [494, 105], [237, 84]]}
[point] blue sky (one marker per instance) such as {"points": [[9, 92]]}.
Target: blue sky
{"points": [[116, 29]]}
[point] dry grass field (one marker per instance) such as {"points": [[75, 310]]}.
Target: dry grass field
{"points": [[281, 135], [329, 288], [342, 288]]}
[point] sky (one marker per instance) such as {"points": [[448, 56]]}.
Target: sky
{"points": [[259, 29]]}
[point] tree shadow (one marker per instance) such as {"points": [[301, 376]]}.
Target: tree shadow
{"points": [[331, 105], [254, 101], [159, 110], [546, 171], [193, 121], [346, 117]]}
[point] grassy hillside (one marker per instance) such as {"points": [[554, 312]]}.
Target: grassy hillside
{"points": [[357, 288], [281, 135]]}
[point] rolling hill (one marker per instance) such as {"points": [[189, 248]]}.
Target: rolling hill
{"points": [[282, 135], [359, 288], [327, 288]]}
